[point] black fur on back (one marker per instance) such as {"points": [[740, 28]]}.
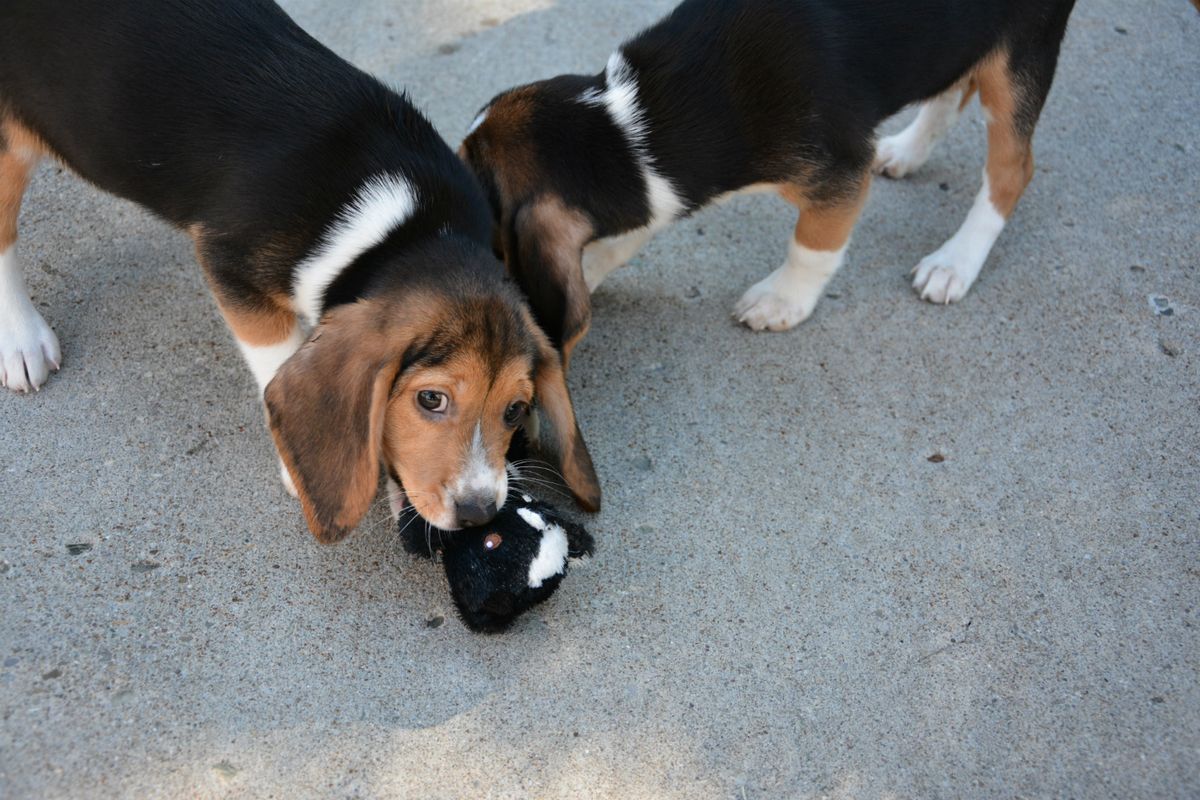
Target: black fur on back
{"points": [[742, 92], [224, 114]]}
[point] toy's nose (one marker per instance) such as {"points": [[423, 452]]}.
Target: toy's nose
{"points": [[476, 511]]}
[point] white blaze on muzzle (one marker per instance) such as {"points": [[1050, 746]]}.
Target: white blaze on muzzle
{"points": [[478, 479]]}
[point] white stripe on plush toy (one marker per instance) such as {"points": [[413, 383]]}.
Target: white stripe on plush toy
{"points": [[551, 557]]}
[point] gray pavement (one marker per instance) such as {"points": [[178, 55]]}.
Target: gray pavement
{"points": [[791, 599]]}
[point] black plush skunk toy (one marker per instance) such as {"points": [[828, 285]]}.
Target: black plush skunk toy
{"points": [[499, 570]]}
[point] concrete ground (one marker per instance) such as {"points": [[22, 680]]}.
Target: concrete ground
{"points": [[793, 597]]}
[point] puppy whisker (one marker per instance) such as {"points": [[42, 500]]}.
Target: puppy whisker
{"points": [[398, 527], [540, 469], [537, 483]]}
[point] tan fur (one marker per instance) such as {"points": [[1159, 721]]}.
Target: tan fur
{"points": [[258, 326], [257, 322], [20, 150], [505, 148], [826, 225], [560, 434], [14, 177], [21, 140], [553, 235], [576, 462], [1010, 153]]}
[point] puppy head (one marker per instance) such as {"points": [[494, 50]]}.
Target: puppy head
{"points": [[430, 377], [558, 172]]}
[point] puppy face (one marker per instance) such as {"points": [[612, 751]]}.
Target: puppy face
{"points": [[449, 424], [431, 382]]}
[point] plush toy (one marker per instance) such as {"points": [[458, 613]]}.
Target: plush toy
{"points": [[499, 570]]}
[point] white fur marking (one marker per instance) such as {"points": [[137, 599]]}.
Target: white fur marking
{"points": [[396, 498], [551, 557], [264, 361], [908, 150], [382, 204], [28, 348], [620, 99], [477, 478], [788, 295], [286, 478], [665, 205], [604, 256], [945, 275], [479, 120]]}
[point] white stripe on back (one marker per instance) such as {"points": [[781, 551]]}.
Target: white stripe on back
{"points": [[384, 203], [619, 98]]}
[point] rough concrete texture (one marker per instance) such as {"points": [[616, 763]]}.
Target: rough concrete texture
{"points": [[793, 598]]}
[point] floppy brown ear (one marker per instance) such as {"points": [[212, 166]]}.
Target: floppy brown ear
{"points": [[543, 248], [325, 408], [557, 432]]}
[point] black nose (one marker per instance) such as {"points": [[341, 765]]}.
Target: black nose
{"points": [[475, 512]]}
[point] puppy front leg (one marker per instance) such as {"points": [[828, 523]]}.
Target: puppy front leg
{"points": [[29, 350], [1013, 91], [787, 296], [265, 358], [267, 336]]}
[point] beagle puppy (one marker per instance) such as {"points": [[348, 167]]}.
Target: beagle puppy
{"points": [[318, 200], [728, 96]]}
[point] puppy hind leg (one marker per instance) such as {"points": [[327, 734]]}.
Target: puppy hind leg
{"points": [[267, 336], [29, 350], [604, 256], [1013, 101], [907, 151], [787, 296], [265, 357]]}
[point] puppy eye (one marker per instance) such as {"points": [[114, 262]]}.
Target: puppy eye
{"points": [[435, 402], [492, 541], [515, 413]]}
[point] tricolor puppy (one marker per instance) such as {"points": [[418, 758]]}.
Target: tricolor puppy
{"points": [[317, 199], [725, 96]]}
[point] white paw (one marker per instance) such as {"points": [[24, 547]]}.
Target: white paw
{"points": [[286, 478], [28, 348], [942, 278], [777, 302], [899, 155]]}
